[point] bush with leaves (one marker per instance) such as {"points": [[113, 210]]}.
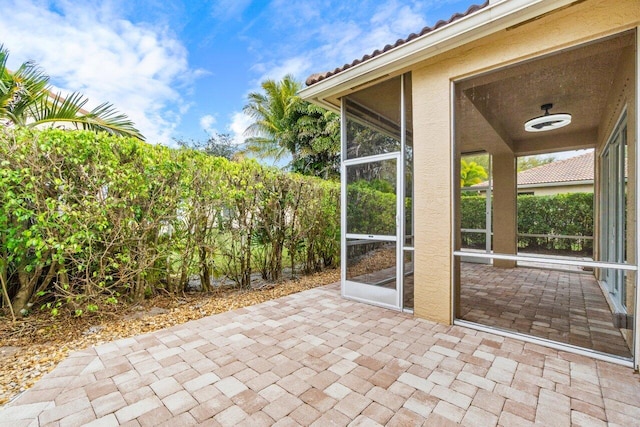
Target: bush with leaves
{"points": [[568, 214], [561, 214], [318, 231], [91, 219], [370, 210]]}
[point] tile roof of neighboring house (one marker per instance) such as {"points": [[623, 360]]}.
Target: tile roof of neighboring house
{"points": [[579, 168], [315, 78]]}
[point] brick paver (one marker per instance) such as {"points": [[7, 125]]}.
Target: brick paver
{"points": [[315, 359], [562, 306]]}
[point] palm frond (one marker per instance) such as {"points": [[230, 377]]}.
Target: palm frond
{"points": [[57, 109], [274, 110], [19, 89], [26, 100], [4, 72], [264, 148]]}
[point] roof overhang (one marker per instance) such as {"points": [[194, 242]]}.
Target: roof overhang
{"points": [[489, 20]]}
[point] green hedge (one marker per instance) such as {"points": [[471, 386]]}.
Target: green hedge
{"points": [[473, 212], [561, 214], [89, 219], [369, 210]]}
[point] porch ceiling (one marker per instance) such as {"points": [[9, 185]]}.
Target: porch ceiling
{"points": [[492, 108], [370, 99]]}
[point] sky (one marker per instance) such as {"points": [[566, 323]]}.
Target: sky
{"points": [[182, 70]]}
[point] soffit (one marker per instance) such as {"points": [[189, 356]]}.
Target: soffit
{"points": [[492, 108], [383, 99]]}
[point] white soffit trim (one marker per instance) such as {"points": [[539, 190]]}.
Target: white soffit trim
{"points": [[493, 18], [556, 184]]}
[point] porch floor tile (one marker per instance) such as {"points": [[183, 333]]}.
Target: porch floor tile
{"points": [[314, 358], [568, 307]]}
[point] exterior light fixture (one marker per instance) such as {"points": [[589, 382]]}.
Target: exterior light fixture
{"points": [[548, 121]]}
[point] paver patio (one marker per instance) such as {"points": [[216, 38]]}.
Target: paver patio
{"points": [[562, 306], [315, 359]]}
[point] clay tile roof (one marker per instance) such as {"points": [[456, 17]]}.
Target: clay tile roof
{"points": [[579, 168], [315, 78]]}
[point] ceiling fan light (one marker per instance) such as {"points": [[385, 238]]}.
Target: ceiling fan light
{"points": [[548, 121]]}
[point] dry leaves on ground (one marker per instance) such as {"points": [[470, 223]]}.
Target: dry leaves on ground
{"points": [[33, 347]]}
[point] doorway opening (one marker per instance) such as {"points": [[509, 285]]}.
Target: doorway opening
{"points": [[548, 253], [377, 194]]}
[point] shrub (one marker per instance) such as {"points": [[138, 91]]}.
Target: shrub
{"points": [[89, 219], [561, 214]]}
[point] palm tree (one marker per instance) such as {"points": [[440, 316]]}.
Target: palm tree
{"points": [[275, 112], [26, 100]]}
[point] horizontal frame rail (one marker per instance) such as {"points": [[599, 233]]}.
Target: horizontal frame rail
{"points": [[555, 236], [368, 238], [542, 236], [545, 342], [577, 263]]}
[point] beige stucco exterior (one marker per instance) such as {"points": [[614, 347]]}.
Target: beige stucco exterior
{"points": [[456, 83], [550, 190], [577, 24], [505, 239]]}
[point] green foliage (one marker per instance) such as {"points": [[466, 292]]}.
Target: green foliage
{"points": [[561, 214], [316, 235], [370, 211], [286, 125], [274, 110], [315, 142], [479, 159], [89, 219], [382, 185], [217, 145], [364, 140], [473, 212], [471, 173]]}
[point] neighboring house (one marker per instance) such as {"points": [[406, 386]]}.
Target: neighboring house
{"points": [[572, 175], [510, 78]]}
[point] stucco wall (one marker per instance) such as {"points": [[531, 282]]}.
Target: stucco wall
{"points": [[505, 211], [560, 189], [432, 115]]}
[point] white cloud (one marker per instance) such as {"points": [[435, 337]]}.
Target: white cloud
{"points": [[296, 66], [295, 13], [207, 122], [138, 68], [390, 22], [239, 124], [229, 9], [408, 21], [335, 33]]}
